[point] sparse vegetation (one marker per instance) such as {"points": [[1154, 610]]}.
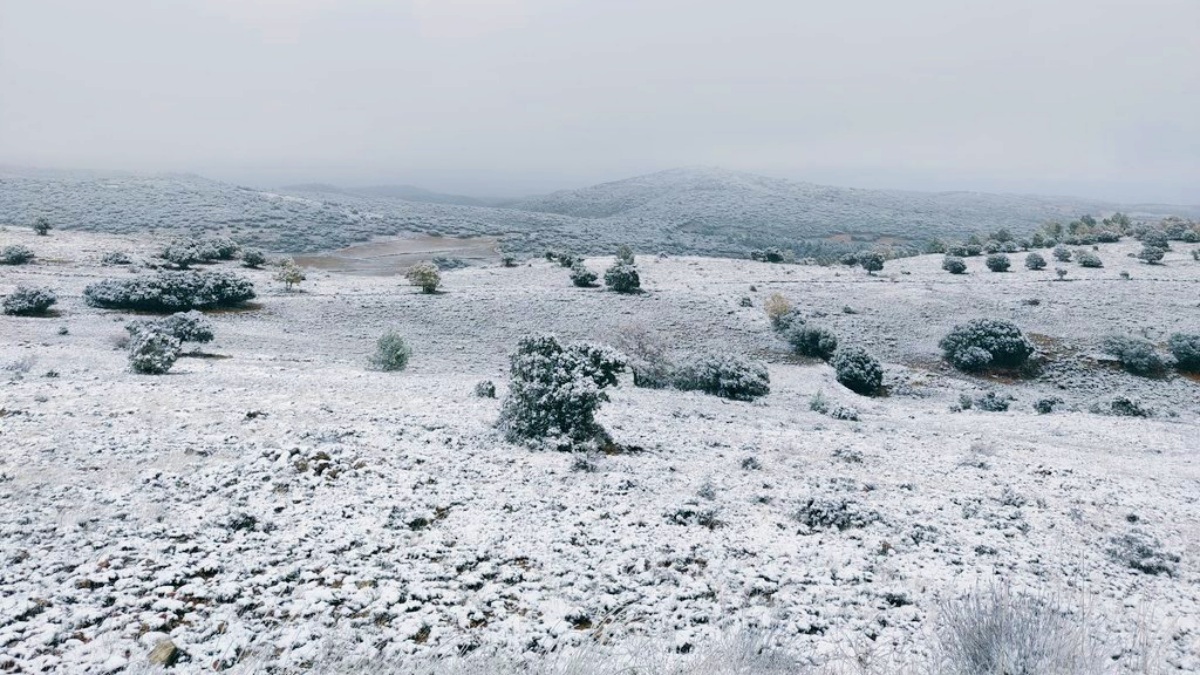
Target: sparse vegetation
{"points": [[170, 292], [998, 262], [29, 301], [1141, 551], [954, 264], [986, 343], [857, 370]]}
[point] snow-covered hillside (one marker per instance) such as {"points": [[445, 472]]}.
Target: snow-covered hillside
{"points": [[255, 505]]}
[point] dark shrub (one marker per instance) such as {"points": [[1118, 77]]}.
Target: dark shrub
{"points": [[1123, 406], [391, 353], [116, 258], [840, 514], [813, 341], [990, 402], [152, 353], [1035, 261], [1136, 355], [1156, 239], [725, 375], [41, 227], [170, 292], [1062, 253], [857, 370], [485, 389], [1141, 551], [1185, 348], [1088, 259], [984, 343], [871, 261], [29, 301], [582, 276], [253, 258], [623, 277], [1151, 254], [954, 264], [998, 262], [555, 391], [1045, 406], [16, 254], [568, 259], [625, 255]]}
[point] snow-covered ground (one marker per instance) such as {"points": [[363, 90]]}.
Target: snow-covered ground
{"points": [[257, 504]]}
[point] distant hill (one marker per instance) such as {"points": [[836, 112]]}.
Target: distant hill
{"points": [[694, 211]]}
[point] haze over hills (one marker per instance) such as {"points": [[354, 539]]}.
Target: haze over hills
{"points": [[703, 211]]}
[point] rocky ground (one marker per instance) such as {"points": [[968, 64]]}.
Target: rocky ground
{"points": [[275, 494]]}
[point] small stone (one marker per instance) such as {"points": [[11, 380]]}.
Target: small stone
{"points": [[164, 653]]}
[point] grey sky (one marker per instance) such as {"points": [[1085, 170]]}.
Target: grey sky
{"points": [[1091, 97]]}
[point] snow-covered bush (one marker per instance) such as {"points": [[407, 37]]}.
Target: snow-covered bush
{"points": [[623, 277], [555, 390], [1062, 253], [1151, 255], [1136, 355], [253, 258], [581, 276], [857, 370], [822, 513], [152, 352], [954, 264], [1143, 552], [1062, 273], [1035, 261], [647, 356], [1156, 239], [991, 402], [29, 301], [424, 275], [871, 261], [41, 226], [289, 274], [16, 254], [776, 307], [725, 375], [808, 340], [391, 352], [170, 292], [485, 389], [625, 254], [1088, 259], [116, 258], [998, 262], [568, 259], [986, 343], [190, 326], [1185, 347]]}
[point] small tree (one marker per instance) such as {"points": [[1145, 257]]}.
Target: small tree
{"points": [[190, 326], [857, 370], [871, 261], [1035, 261], [583, 277], [623, 277], [1088, 259], [776, 307], [1062, 273], [983, 343], [424, 275], [253, 258], [29, 301], [625, 255], [1151, 255], [1062, 253], [16, 254], [153, 352], [1136, 355], [811, 341], [998, 262], [1185, 347], [290, 274], [391, 353], [954, 264], [555, 391], [41, 226]]}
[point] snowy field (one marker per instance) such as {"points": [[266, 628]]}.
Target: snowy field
{"points": [[276, 499]]}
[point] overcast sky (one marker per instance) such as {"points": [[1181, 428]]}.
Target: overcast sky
{"points": [[1097, 98]]}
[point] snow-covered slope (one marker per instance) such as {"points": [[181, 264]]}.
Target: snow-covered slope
{"points": [[252, 505]]}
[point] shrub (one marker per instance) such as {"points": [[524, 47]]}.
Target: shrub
{"points": [[424, 275], [1062, 253], [191, 326], [857, 370], [568, 259], [998, 262], [1196, 254], [16, 254], [1062, 273], [830, 513], [871, 261], [253, 258], [185, 252], [1156, 239], [1088, 259], [1035, 261], [1123, 406], [973, 250], [1185, 348], [290, 274], [646, 354], [170, 292], [983, 343], [725, 375], [29, 301], [1151, 254], [582, 276], [993, 632], [812, 341], [41, 226], [1045, 406], [485, 389], [625, 255], [116, 258], [152, 352], [623, 277], [990, 402], [776, 307], [508, 261], [1136, 355], [954, 264], [391, 353], [555, 391], [1141, 551]]}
